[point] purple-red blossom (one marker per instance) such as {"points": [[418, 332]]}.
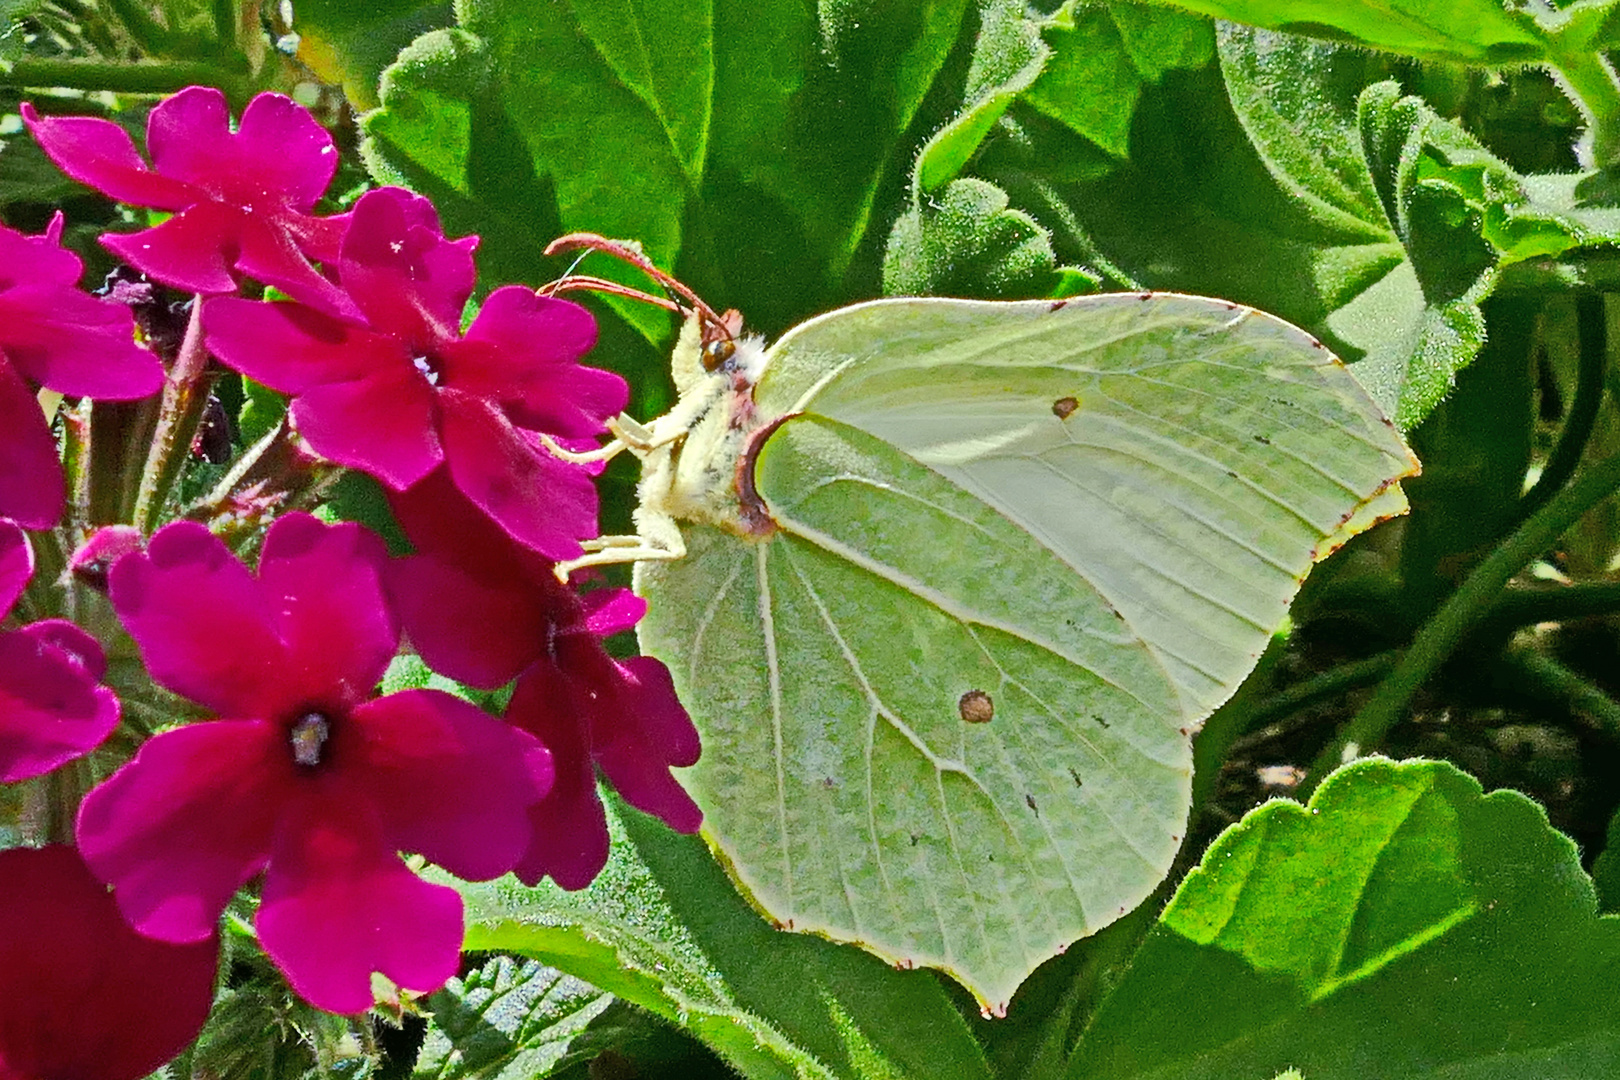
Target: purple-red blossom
{"points": [[84, 996], [54, 335], [481, 609], [52, 708], [407, 392], [240, 200], [306, 775]]}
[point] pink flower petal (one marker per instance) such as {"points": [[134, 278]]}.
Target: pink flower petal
{"points": [[51, 709], [542, 502], [521, 350], [101, 154], [338, 905], [86, 997], [479, 631], [648, 733], [411, 282], [188, 135], [76, 344], [201, 621], [382, 425], [192, 251], [570, 838], [279, 156], [612, 611], [267, 251], [38, 261], [181, 827], [323, 585], [292, 348], [470, 779], [16, 564], [33, 491]]}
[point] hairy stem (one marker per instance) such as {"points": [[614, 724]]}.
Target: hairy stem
{"points": [[185, 396]]}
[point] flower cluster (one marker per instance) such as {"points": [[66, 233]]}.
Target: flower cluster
{"points": [[291, 776]]}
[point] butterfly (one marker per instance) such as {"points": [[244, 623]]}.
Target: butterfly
{"points": [[947, 586]]}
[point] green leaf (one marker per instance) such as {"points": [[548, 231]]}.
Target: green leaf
{"points": [[1102, 57], [1458, 31], [968, 242], [350, 42], [1007, 57], [1016, 553], [1404, 924], [744, 144], [510, 1020], [1359, 213], [661, 927]]}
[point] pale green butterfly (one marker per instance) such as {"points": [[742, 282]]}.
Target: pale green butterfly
{"points": [[954, 581]]}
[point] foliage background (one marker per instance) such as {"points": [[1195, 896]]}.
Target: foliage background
{"points": [[1427, 187]]}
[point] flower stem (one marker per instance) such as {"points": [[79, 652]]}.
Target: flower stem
{"points": [[152, 77], [185, 396], [1437, 639]]}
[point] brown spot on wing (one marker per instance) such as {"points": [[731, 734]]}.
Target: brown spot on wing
{"points": [[976, 707]]}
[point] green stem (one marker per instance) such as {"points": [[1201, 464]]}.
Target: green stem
{"points": [[185, 397], [1434, 643], [1528, 605], [1590, 82], [1592, 333], [148, 33], [1541, 675], [147, 77], [1325, 686]]}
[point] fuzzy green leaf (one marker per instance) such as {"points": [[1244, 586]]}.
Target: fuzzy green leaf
{"points": [[1459, 31], [1405, 924], [662, 928]]}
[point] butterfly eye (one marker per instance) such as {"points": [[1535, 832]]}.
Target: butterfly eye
{"points": [[716, 353]]}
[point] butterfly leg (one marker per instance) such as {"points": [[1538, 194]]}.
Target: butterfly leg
{"points": [[659, 540]]}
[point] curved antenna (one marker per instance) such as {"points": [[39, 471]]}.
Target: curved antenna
{"points": [[728, 325]]}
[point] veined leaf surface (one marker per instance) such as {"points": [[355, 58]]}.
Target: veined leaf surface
{"points": [[1094, 513]]}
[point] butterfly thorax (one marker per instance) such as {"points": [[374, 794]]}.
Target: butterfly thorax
{"points": [[695, 477]]}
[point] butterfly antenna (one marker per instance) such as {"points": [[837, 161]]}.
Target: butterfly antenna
{"points": [[728, 325]]}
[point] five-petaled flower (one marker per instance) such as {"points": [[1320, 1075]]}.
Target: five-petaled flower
{"points": [[407, 392], [54, 335], [481, 609], [52, 709], [86, 997], [305, 774], [240, 200]]}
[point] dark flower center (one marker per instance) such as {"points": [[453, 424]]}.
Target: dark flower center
{"points": [[309, 735]]}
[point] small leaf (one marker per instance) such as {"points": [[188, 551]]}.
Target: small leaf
{"points": [[1404, 924], [509, 1020], [967, 242], [1102, 57]]}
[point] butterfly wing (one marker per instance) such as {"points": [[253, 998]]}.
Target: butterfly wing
{"points": [[1094, 514]]}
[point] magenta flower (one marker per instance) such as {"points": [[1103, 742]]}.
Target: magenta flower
{"points": [[52, 709], [620, 715], [306, 775], [240, 200], [408, 392], [481, 609], [86, 997], [52, 334]]}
